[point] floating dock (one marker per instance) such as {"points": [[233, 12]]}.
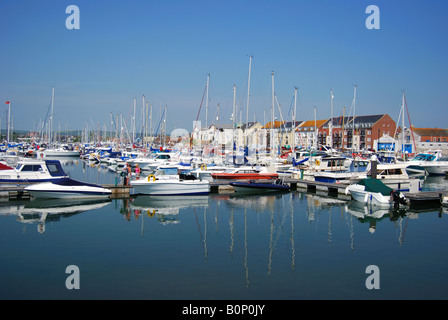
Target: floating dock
{"points": [[425, 197], [118, 191], [308, 185], [17, 192]]}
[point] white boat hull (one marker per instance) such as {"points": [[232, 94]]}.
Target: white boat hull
{"points": [[436, 169], [50, 190], [370, 198], [60, 153], [170, 187]]}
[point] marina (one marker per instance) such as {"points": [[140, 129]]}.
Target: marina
{"points": [[225, 245], [154, 151]]}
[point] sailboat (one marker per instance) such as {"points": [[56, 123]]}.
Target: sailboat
{"points": [[57, 151]]}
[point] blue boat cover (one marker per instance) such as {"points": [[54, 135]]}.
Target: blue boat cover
{"points": [[71, 182], [55, 168]]}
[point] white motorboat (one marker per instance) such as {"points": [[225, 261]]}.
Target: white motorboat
{"points": [[205, 172], [61, 151], [33, 171], [167, 182], [357, 170], [393, 175], [67, 189], [416, 164], [331, 164], [374, 192], [152, 162], [437, 168]]}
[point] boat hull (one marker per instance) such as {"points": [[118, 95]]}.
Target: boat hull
{"points": [[251, 187], [169, 188], [49, 190], [370, 198], [436, 170], [243, 176]]}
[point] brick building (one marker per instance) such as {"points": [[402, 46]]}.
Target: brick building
{"points": [[424, 139], [360, 134]]}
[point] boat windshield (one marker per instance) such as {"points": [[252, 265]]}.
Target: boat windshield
{"points": [[424, 157], [32, 167], [166, 172], [55, 168]]}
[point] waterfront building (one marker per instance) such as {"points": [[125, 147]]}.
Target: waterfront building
{"points": [[358, 133], [308, 132], [423, 139]]}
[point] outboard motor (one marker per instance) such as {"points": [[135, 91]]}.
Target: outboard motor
{"points": [[397, 198]]}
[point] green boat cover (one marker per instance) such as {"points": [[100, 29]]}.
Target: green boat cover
{"points": [[375, 185]]}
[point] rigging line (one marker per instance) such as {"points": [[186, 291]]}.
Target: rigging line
{"points": [[197, 117], [290, 106], [161, 119], [410, 124]]}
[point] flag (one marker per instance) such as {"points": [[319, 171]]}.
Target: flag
{"points": [[7, 102]]}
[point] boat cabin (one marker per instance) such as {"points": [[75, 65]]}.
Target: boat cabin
{"points": [[32, 171], [53, 167]]}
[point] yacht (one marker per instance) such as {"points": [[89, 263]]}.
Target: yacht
{"points": [[168, 182], [33, 171]]}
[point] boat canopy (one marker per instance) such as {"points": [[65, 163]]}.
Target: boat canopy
{"points": [[55, 168], [73, 183], [375, 185]]}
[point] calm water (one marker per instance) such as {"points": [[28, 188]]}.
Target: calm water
{"points": [[285, 246]]}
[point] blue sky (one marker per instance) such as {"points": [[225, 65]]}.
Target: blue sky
{"points": [[165, 49]]}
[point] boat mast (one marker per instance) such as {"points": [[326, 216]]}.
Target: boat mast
{"points": [[133, 124], [51, 118], [143, 119], [402, 127], [315, 128], [331, 122], [206, 102], [353, 120], [294, 117], [273, 108], [9, 123], [150, 123], [233, 126], [247, 104]]}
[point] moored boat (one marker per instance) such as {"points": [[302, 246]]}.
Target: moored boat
{"points": [[67, 189], [259, 186], [245, 173], [33, 171], [375, 193], [166, 183], [438, 167]]}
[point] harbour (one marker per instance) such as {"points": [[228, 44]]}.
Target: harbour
{"points": [[154, 151], [301, 244]]}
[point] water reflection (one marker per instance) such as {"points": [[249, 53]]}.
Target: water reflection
{"points": [[42, 211], [165, 208]]}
